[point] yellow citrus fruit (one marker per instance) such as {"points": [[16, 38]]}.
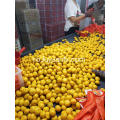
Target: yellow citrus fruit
{"points": [[20, 114], [24, 117], [97, 78], [78, 105], [67, 103], [52, 99], [26, 111], [68, 110], [70, 117], [50, 104], [97, 82], [63, 107], [26, 103], [42, 114], [52, 112], [41, 105], [23, 108], [47, 115], [73, 101], [57, 99], [17, 108], [61, 102], [18, 93], [57, 108], [75, 95], [46, 109], [49, 95], [54, 74], [63, 115]]}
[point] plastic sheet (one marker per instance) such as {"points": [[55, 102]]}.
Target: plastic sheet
{"points": [[18, 78]]}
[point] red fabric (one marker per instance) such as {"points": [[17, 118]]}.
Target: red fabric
{"points": [[100, 101], [17, 55], [94, 108], [96, 115]]}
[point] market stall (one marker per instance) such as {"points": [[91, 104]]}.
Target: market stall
{"points": [[59, 77]]}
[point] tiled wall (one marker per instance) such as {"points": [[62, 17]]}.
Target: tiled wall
{"points": [[51, 18]]}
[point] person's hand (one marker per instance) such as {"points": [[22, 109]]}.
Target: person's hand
{"points": [[88, 13]]}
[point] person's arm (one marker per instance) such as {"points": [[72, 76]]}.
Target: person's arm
{"points": [[76, 19]]}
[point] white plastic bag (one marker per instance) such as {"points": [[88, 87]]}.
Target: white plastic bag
{"points": [[18, 78]]}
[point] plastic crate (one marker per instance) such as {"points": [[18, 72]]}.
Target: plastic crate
{"points": [[32, 40], [21, 4], [29, 20]]}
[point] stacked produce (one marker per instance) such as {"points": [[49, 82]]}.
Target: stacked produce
{"points": [[56, 75]]}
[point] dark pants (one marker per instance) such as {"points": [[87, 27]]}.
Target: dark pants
{"points": [[71, 30]]}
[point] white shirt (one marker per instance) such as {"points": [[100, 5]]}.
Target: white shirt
{"points": [[71, 9]]}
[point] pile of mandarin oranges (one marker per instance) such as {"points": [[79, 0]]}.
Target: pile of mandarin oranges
{"points": [[56, 75]]}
